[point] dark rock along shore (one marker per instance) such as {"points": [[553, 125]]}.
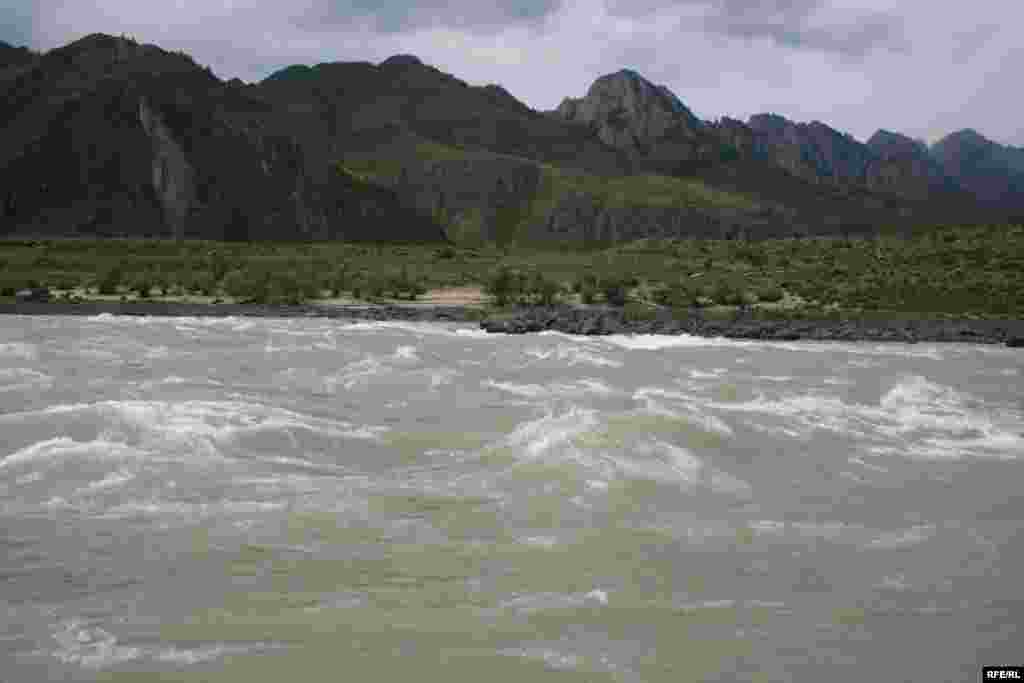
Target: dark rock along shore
{"points": [[581, 320]]}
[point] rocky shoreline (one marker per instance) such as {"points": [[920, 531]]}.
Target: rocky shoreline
{"points": [[747, 326], [579, 320]]}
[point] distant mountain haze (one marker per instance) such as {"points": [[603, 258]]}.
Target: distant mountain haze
{"points": [[106, 136]]}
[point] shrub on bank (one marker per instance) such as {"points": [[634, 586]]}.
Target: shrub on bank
{"points": [[543, 291], [141, 284], [504, 286], [109, 281], [770, 293], [680, 294], [405, 286], [615, 290], [239, 285], [586, 287], [339, 279]]}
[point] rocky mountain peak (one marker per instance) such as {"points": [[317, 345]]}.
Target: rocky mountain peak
{"points": [[629, 112], [886, 143], [967, 135], [9, 54], [402, 61]]}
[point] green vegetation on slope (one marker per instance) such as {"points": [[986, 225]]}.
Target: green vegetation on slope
{"points": [[954, 270], [384, 166]]}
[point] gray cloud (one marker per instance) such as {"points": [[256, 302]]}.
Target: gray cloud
{"points": [[914, 66], [795, 24], [16, 25], [392, 16]]}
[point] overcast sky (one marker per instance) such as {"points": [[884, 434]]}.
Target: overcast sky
{"points": [[920, 67]]}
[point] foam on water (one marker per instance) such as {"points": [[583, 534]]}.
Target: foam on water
{"points": [[658, 342], [355, 372], [579, 388], [902, 538], [19, 350], [714, 373], [538, 437], [941, 418], [578, 352], [416, 328], [63, 448], [89, 646], [201, 423], [406, 353], [693, 405], [112, 480], [660, 461], [21, 379]]}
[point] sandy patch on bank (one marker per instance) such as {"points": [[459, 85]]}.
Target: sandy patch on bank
{"points": [[448, 296], [471, 297], [455, 296]]}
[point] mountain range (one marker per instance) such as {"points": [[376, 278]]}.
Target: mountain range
{"points": [[106, 136]]}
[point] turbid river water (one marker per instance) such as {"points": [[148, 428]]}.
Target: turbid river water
{"points": [[203, 499]]}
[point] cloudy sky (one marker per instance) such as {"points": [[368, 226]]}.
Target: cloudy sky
{"points": [[920, 67]]}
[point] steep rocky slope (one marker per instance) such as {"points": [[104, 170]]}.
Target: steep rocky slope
{"points": [[992, 172], [106, 136]]}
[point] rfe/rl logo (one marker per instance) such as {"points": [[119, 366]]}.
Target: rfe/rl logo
{"points": [[1002, 673]]}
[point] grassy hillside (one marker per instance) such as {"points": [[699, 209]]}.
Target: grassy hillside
{"points": [[384, 164]]}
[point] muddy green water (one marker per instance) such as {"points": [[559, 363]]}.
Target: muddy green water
{"points": [[311, 500]]}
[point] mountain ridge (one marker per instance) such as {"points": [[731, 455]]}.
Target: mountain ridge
{"points": [[360, 143]]}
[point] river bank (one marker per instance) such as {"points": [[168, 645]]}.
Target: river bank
{"points": [[579, 320], [749, 326]]}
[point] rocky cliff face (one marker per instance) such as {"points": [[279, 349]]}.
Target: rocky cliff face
{"points": [[904, 166], [582, 218], [106, 136], [990, 171], [173, 178], [889, 164], [483, 188], [812, 151]]}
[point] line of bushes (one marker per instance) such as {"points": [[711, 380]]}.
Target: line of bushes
{"points": [[516, 286]]}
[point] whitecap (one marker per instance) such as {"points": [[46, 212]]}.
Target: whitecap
{"points": [[890, 583], [670, 464], [528, 390], [153, 423], [902, 538], [90, 647], [197, 655], [658, 342], [539, 436], [406, 353], [418, 328], [63, 447], [22, 379], [693, 412], [578, 388], [540, 541], [111, 480], [715, 373], [19, 350]]}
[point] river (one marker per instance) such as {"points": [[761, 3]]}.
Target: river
{"points": [[233, 499]]}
